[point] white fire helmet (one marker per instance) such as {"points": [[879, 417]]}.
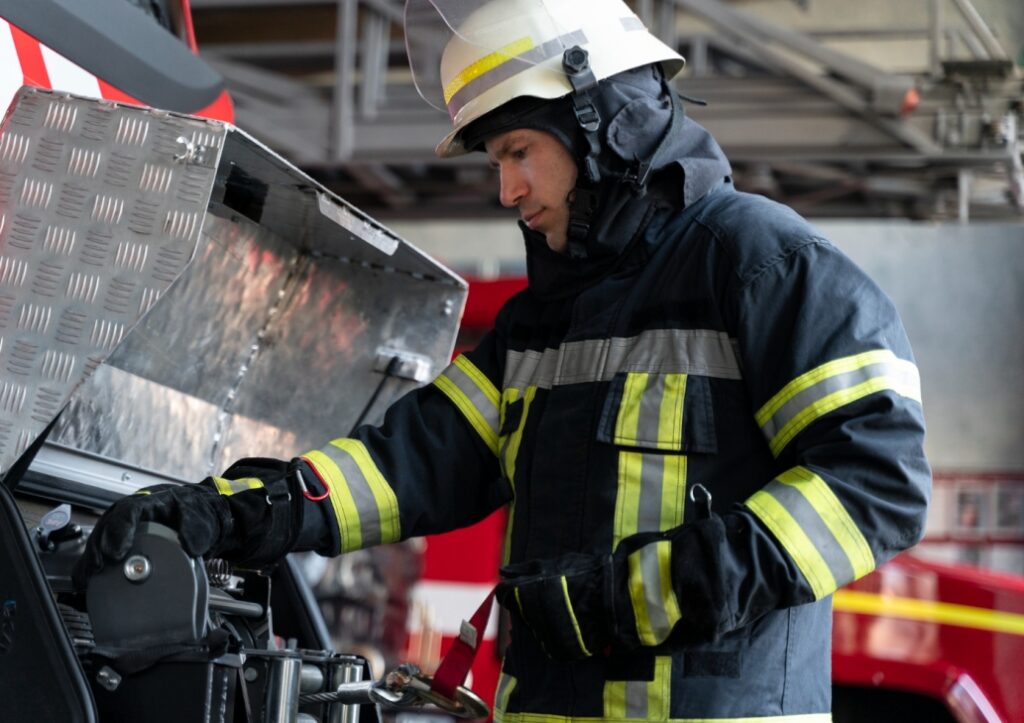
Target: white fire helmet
{"points": [[469, 57]]}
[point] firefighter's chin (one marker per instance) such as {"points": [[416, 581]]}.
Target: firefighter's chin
{"points": [[558, 240]]}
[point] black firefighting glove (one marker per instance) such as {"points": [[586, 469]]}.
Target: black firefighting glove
{"points": [[562, 602], [656, 585], [254, 515]]}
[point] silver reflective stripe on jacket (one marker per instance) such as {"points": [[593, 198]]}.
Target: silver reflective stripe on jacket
{"points": [[365, 506], [812, 525], [476, 397], [657, 351], [830, 386]]}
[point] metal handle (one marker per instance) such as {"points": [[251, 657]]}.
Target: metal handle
{"points": [[467, 704], [404, 687], [355, 693]]}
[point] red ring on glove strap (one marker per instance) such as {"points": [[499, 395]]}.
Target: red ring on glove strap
{"points": [[327, 487]]}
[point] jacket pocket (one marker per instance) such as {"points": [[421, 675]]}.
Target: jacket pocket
{"points": [[663, 412], [655, 422]]}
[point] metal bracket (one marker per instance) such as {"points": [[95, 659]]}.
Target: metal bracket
{"points": [[358, 227], [414, 367]]}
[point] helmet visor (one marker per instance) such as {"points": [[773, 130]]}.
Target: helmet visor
{"points": [[460, 48]]}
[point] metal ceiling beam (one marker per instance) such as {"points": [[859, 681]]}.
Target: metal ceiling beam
{"points": [[980, 29], [269, 52], [289, 116], [343, 114], [346, 111], [744, 26], [759, 36], [394, 13]]}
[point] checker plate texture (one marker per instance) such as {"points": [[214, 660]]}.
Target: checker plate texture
{"points": [[101, 209]]}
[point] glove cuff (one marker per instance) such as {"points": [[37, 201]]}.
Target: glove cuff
{"points": [[320, 531], [266, 509], [284, 522]]}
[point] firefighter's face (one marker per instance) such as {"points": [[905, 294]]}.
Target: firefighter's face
{"points": [[537, 175]]}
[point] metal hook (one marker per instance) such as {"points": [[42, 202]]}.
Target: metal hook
{"points": [[704, 502]]}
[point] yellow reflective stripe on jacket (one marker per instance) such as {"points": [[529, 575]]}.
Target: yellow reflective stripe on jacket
{"points": [[628, 421], [652, 486], [815, 529], [504, 717], [572, 616], [650, 590], [651, 411], [833, 385], [651, 494], [510, 447], [507, 456], [670, 411], [508, 398], [506, 684], [673, 492], [640, 699], [365, 506], [471, 391], [229, 487], [345, 512]]}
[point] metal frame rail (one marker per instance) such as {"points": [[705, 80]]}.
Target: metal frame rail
{"points": [[800, 120]]}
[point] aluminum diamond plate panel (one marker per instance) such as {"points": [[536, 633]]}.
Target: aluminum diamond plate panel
{"points": [[101, 209], [188, 296]]}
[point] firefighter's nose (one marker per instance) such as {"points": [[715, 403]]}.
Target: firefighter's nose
{"points": [[513, 186]]}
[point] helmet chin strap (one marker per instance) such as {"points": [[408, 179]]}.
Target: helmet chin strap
{"points": [[583, 199]]}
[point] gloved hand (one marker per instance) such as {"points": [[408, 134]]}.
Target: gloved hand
{"points": [[254, 514], [580, 605], [563, 602]]}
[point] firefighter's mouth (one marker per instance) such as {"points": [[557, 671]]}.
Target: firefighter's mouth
{"points": [[532, 219]]}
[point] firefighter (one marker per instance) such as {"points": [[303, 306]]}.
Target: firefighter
{"points": [[706, 418]]}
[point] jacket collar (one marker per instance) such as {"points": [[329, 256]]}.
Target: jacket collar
{"points": [[697, 160]]}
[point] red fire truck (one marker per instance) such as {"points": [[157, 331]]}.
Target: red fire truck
{"points": [[134, 51]]}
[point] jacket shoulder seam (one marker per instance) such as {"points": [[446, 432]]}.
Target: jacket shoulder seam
{"points": [[772, 261], [749, 278]]}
